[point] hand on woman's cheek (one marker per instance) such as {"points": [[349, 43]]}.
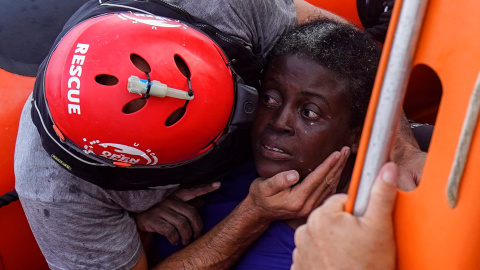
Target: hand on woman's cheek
{"points": [[279, 198]]}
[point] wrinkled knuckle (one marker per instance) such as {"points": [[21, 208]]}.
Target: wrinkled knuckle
{"points": [[170, 233], [160, 230], [183, 222], [304, 212], [297, 206], [165, 228], [191, 211], [271, 182]]}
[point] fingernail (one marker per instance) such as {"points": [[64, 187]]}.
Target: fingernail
{"points": [[216, 184], [292, 176], [388, 177], [337, 155]]}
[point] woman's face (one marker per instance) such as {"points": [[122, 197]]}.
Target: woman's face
{"points": [[303, 116]]}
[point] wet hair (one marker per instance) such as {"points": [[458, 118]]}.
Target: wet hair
{"points": [[350, 54]]}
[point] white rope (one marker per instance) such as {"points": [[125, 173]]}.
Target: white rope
{"points": [[463, 147]]}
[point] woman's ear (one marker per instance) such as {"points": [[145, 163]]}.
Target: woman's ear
{"points": [[355, 139], [354, 148]]}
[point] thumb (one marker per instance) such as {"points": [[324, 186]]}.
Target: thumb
{"points": [[278, 182], [383, 194], [187, 194]]}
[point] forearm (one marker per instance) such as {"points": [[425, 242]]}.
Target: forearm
{"points": [[224, 244], [404, 140], [307, 12]]}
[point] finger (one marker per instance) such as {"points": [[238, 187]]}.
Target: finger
{"points": [[301, 238], [299, 235], [168, 230], [334, 204], [333, 176], [197, 202], [180, 224], [278, 183], [329, 186], [187, 194], [322, 182], [383, 194], [406, 182], [295, 259], [317, 176], [189, 213], [340, 165]]}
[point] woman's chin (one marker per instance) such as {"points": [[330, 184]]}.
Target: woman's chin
{"points": [[267, 172]]}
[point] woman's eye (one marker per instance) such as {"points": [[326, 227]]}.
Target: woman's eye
{"points": [[311, 114], [269, 100]]}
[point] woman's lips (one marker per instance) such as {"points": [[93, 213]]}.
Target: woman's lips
{"points": [[274, 153]]}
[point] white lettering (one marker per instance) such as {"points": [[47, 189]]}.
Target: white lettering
{"points": [[75, 72], [115, 157], [78, 59], [134, 161], [74, 108], [124, 159], [72, 92], [121, 158], [82, 48], [75, 80]]}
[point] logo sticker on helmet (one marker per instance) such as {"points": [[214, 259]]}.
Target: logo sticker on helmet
{"points": [[154, 22], [120, 152]]}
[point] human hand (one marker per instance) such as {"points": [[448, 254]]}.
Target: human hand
{"points": [[174, 217], [410, 168], [276, 198], [407, 155], [334, 239]]}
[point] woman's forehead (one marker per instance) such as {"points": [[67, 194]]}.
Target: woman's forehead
{"points": [[311, 76]]}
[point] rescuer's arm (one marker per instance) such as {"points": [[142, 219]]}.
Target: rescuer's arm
{"points": [[307, 11], [268, 200], [407, 155]]}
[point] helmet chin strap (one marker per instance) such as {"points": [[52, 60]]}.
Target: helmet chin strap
{"points": [[155, 88]]}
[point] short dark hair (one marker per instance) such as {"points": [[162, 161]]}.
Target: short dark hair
{"points": [[346, 51]]}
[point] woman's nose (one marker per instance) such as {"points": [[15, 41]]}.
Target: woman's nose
{"points": [[283, 121]]}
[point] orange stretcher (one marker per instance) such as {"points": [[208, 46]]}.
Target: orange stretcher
{"points": [[437, 224], [18, 249]]}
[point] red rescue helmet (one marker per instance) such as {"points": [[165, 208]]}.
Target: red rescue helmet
{"points": [[135, 89]]}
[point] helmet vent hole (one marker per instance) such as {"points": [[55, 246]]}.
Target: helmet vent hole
{"points": [[175, 116], [105, 79], [140, 63], [182, 66], [134, 105]]}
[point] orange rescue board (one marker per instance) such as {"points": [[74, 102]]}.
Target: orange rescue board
{"points": [[18, 249], [430, 234]]}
